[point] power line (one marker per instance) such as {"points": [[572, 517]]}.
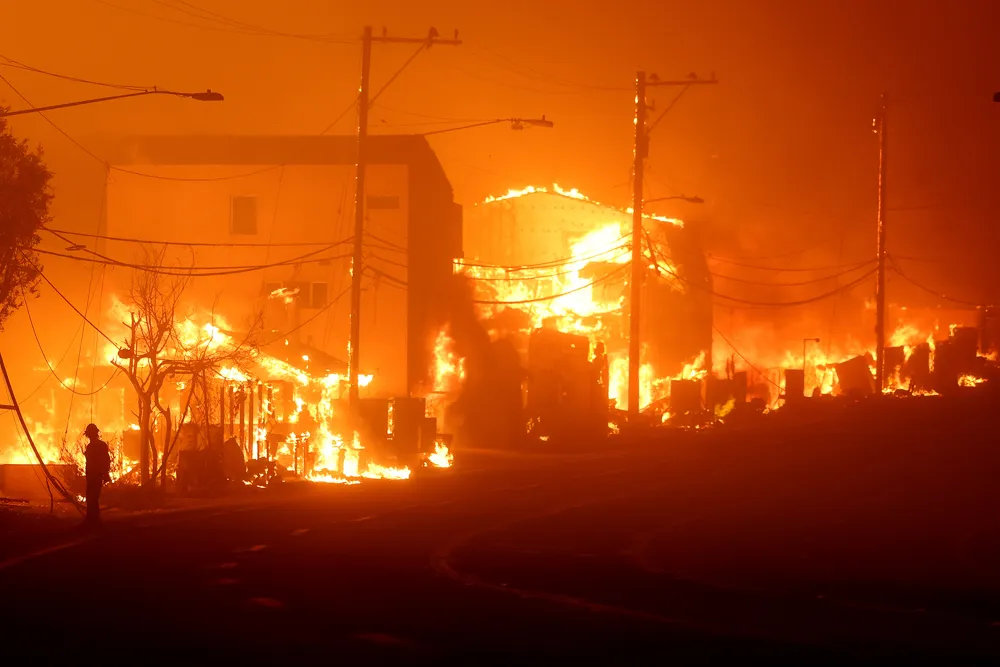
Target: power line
{"points": [[783, 255], [554, 263], [556, 296], [125, 239], [28, 68], [326, 38], [759, 304], [784, 304], [741, 356], [928, 260], [201, 273], [50, 122], [339, 117], [544, 276], [420, 49], [530, 73], [51, 479], [444, 119], [797, 284], [387, 276], [901, 274], [670, 106], [122, 169], [315, 315], [58, 363], [52, 371], [76, 310], [503, 84], [202, 270], [207, 179], [781, 270], [219, 26], [392, 246]]}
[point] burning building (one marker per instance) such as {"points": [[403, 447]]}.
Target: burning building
{"points": [[239, 250], [286, 204], [552, 259]]}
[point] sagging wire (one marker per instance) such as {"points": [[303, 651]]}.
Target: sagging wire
{"points": [[314, 316], [34, 332], [193, 244], [901, 274], [556, 296], [195, 272], [50, 478], [797, 284]]}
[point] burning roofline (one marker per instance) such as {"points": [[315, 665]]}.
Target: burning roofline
{"points": [[573, 193]]}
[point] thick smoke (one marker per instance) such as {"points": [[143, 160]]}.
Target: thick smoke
{"points": [[489, 409]]}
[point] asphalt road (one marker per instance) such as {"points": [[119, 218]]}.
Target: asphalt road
{"points": [[681, 554]]}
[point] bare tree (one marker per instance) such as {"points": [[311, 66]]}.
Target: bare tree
{"points": [[156, 350]]}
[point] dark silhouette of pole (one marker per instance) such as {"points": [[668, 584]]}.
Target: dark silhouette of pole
{"points": [[638, 264], [207, 96], [359, 213], [635, 291], [359, 186], [880, 272]]}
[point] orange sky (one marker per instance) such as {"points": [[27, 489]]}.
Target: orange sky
{"points": [[782, 150]]}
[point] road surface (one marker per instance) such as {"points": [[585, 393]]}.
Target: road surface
{"points": [[638, 557]]}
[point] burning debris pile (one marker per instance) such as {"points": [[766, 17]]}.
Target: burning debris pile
{"points": [[214, 406], [549, 282]]}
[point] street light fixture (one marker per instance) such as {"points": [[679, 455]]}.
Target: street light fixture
{"points": [[690, 200], [207, 96], [515, 124]]}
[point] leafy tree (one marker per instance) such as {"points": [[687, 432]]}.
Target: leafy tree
{"points": [[24, 209]]}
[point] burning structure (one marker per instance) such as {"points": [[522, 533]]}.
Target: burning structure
{"points": [[225, 261], [241, 246], [549, 269]]}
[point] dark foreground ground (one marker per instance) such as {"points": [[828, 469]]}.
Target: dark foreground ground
{"points": [[824, 544]]}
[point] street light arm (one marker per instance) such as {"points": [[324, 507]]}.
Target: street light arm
{"points": [[207, 96]]}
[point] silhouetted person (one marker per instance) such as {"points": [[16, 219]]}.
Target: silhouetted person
{"points": [[98, 471]]}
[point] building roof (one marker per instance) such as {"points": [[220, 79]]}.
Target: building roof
{"points": [[411, 149], [575, 195]]}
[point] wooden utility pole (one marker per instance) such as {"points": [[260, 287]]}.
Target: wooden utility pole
{"points": [[359, 213], [639, 268], [880, 275], [359, 186]]}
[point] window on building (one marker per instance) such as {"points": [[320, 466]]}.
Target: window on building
{"points": [[244, 218], [319, 295]]}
